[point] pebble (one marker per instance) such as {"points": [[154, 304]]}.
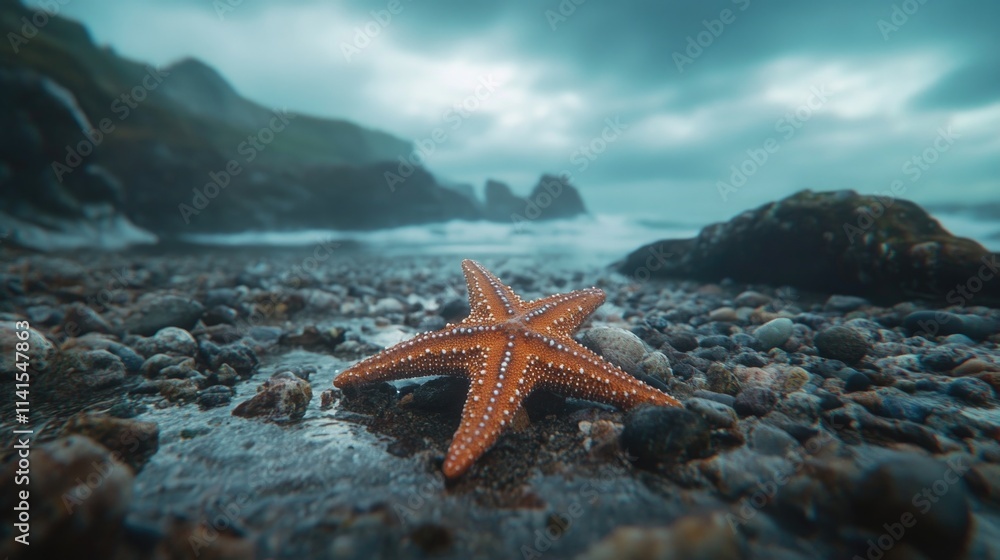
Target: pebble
{"points": [[844, 304], [857, 381], [446, 393], [214, 396], [794, 379], [721, 380], [971, 390], [618, 346], [693, 537], [755, 401], [656, 434], [774, 333], [959, 339], [129, 357], [975, 365], [157, 311], [750, 359], [904, 408], [131, 441], [657, 365], [239, 357], [80, 493], [943, 358], [682, 342], [772, 441], [455, 310], [724, 315], [717, 414], [220, 315], [95, 369], [173, 340], [80, 319], [751, 298], [842, 343], [937, 323], [40, 352], [714, 354], [717, 340], [281, 398], [431, 323], [601, 437], [154, 366], [388, 305], [177, 390]]}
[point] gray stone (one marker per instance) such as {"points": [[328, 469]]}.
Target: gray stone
{"points": [[774, 333]]}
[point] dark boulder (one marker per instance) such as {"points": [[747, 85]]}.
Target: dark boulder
{"points": [[838, 242]]}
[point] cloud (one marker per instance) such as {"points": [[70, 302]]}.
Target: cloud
{"points": [[751, 64]]}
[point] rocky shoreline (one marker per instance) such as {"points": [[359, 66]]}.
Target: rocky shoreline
{"points": [[815, 425]]}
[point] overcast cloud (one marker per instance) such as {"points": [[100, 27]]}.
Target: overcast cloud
{"points": [[843, 93]]}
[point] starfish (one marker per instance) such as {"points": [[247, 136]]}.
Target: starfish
{"points": [[507, 348]]}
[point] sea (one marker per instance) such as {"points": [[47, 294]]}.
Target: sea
{"points": [[600, 237]]}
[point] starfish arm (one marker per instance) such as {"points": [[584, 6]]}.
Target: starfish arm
{"points": [[494, 395], [574, 371], [489, 298], [561, 315], [434, 353]]}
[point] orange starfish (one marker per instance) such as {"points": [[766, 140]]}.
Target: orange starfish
{"points": [[507, 348]]}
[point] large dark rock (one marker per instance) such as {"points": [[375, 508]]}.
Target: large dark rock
{"points": [[46, 204], [842, 242]]}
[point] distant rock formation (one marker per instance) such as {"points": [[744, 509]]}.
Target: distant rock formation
{"points": [[552, 198], [45, 206], [101, 151], [835, 242]]}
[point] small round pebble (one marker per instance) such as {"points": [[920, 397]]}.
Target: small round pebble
{"points": [[618, 346], [755, 401], [842, 343], [655, 434], [717, 414], [217, 395], [281, 398], [774, 333], [857, 381]]}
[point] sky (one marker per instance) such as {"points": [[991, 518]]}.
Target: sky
{"points": [[687, 111]]}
